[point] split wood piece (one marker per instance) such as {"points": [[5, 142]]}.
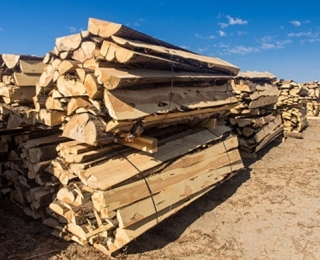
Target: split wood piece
{"points": [[23, 80], [93, 88], [35, 168], [12, 94], [125, 235], [32, 67], [42, 153], [124, 195], [107, 29], [100, 177], [142, 143], [52, 117], [215, 64], [12, 60], [55, 103], [68, 43], [73, 147], [70, 87], [91, 155], [172, 118], [134, 104], [113, 78], [77, 102], [85, 51], [88, 129], [67, 66]]}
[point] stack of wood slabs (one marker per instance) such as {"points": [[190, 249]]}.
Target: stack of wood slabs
{"points": [[110, 78], [292, 106], [313, 98], [255, 120], [125, 192], [132, 130], [24, 174], [19, 75]]}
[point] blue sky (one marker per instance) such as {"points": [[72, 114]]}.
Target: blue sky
{"points": [[277, 36]]}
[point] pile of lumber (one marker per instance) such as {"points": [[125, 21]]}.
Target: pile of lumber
{"points": [[126, 193], [313, 98], [255, 120], [292, 106], [106, 80], [128, 130]]}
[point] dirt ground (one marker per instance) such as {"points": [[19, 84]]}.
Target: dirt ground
{"points": [[270, 210]]}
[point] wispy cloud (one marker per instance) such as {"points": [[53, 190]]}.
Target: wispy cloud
{"points": [[72, 29], [301, 34], [296, 23], [269, 42], [222, 33], [136, 23], [209, 37], [243, 50], [306, 36], [232, 21]]}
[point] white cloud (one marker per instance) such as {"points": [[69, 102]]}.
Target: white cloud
{"points": [[223, 25], [300, 34], [295, 23], [222, 33], [210, 37], [243, 50], [234, 21], [268, 43]]}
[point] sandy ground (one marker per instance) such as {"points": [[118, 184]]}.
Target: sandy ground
{"points": [[270, 210]]}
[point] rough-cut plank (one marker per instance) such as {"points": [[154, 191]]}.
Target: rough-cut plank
{"points": [[209, 172], [113, 78], [23, 80], [31, 67], [113, 172], [107, 29], [124, 195], [215, 64], [133, 104], [173, 118]]}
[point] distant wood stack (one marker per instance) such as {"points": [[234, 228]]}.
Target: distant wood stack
{"points": [[255, 119], [313, 98]]}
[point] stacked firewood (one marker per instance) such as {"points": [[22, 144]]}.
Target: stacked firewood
{"points": [[292, 106], [109, 79], [255, 120], [313, 98], [132, 131]]}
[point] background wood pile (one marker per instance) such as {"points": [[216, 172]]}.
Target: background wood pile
{"points": [[313, 98], [255, 120], [292, 106], [128, 129], [18, 77]]}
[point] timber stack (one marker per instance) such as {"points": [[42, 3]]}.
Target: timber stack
{"points": [[292, 106], [19, 75], [255, 120], [134, 132], [313, 98]]}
